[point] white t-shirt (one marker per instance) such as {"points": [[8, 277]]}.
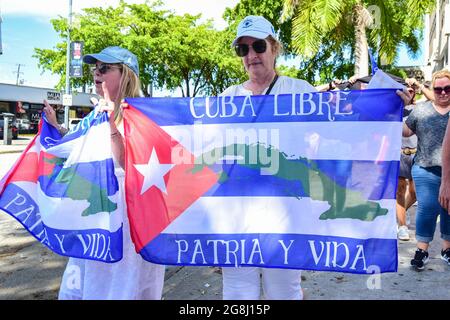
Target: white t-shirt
{"points": [[131, 278], [284, 85], [239, 277]]}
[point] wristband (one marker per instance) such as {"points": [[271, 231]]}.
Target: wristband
{"points": [[116, 133], [61, 129]]}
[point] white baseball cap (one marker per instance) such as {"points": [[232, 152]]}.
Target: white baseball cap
{"points": [[256, 27]]}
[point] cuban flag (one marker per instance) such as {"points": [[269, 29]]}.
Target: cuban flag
{"points": [[373, 63], [65, 193], [302, 181]]}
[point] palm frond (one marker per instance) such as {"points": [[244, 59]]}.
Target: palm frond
{"points": [[306, 36], [289, 7], [330, 12]]}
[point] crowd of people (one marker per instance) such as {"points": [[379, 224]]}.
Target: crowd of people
{"points": [[424, 168]]}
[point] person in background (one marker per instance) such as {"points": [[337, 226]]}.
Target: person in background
{"points": [[116, 76], [428, 121], [51, 115], [406, 192], [444, 190], [258, 47], [336, 84], [420, 88]]}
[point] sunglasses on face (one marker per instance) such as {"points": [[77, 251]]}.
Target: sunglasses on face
{"points": [[242, 49], [438, 90], [104, 68]]}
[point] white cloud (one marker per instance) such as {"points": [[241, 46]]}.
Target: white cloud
{"points": [[7, 74], [43, 10], [209, 9], [52, 8]]}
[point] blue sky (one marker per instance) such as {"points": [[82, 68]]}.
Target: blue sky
{"points": [[21, 34], [26, 25]]}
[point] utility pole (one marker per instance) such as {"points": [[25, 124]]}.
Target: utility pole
{"points": [[18, 73], [1, 47], [68, 91]]}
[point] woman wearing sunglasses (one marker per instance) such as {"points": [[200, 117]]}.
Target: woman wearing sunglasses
{"points": [[116, 76], [258, 48], [428, 121], [257, 45]]}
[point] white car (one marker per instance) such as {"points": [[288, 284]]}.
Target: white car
{"points": [[24, 125], [73, 122]]}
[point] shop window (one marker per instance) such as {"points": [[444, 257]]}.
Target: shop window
{"points": [[4, 107]]}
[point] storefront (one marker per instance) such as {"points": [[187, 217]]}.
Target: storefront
{"points": [[27, 102]]}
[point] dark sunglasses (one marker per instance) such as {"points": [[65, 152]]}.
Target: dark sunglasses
{"points": [[242, 49], [438, 90], [104, 68]]}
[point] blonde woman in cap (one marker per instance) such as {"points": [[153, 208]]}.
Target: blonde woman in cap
{"points": [[258, 47], [116, 76], [428, 121]]}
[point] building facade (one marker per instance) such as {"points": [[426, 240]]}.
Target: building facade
{"points": [[436, 37], [27, 102]]}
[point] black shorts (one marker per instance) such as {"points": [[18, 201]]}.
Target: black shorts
{"points": [[406, 162]]}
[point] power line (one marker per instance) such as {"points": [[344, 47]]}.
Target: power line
{"points": [[1, 47], [18, 73]]}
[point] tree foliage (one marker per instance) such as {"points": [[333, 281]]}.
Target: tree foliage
{"points": [[322, 32], [173, 51]]}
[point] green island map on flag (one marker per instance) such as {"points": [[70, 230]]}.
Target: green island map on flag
{"points": [[76, 187], [316, 184]]}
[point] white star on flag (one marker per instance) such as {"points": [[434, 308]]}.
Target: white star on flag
{"points": [[153, 173]]}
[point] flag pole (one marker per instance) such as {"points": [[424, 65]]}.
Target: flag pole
{"points": [[66, 107]]}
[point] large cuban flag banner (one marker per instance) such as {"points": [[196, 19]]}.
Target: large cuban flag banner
{"points": [[65, 193], [287, 181]]}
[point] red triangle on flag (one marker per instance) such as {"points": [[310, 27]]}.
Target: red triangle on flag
{"points": [[152, 211]]}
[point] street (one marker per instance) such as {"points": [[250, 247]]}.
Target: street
{"points": [[28, 270]]}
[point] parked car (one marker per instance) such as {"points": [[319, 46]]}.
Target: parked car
{"points": [[14, 130], [23, 125], [34, 127], [73, 122]]}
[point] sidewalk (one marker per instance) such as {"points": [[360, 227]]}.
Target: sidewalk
{"points": [[205, 283], [28, 270], [17, 145]]}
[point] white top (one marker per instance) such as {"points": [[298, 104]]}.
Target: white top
{"points": [[284, 85], [132, 278]]}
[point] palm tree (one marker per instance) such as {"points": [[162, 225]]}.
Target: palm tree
{"points": [[391, 24]]}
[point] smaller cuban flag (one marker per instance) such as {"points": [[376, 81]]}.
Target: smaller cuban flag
{"points": [[373, 63], [63, 190]]}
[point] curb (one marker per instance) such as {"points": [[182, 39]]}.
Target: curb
{"points": [[11, 151]]}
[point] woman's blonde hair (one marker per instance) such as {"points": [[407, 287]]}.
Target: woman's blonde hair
{"points": [[130, 86], [444, 73], [277, 47]]}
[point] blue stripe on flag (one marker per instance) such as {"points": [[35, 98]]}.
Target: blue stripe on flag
{"points": [[50, 136], [373, 180], [293, 251], [91, 244], [95, 244], [373, 105], [97, 174]]}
